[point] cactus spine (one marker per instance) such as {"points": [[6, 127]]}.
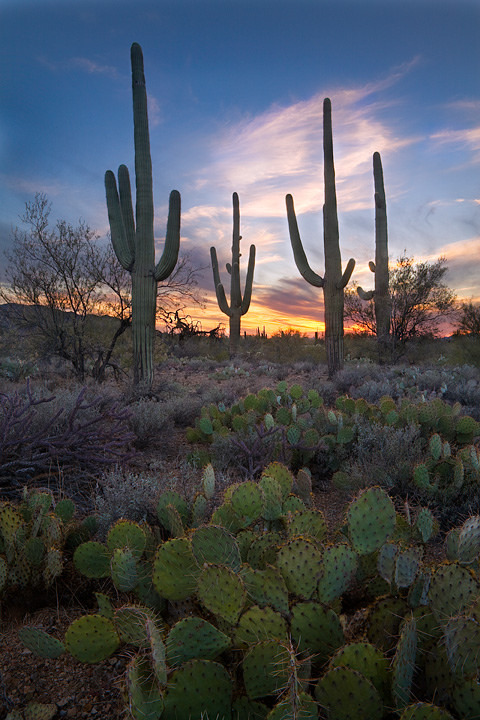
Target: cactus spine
{"points": [[381, 294], [333, 282], [238, 305], [134, 242]]}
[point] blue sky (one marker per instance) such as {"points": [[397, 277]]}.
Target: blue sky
{"points": [[235, 91]]}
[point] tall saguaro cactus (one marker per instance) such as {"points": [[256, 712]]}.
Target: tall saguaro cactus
{"points": [[333, 282], [132, 238], [381, 294], [238, 305]]}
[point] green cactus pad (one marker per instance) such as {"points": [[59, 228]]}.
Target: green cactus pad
{"points": [[404, 664], [368, 660], [282, 475], [174, 523], [245, 709], [452, 589], [123, 569], [265, 669], [300, 563], [426, 711], [332, 690], [302, 485], [273, 498], [383, 622], [244, 539], [170, 497], [10, 521], [468, 542], [248, 502], [53, 566], [316, 629], [199, 510], [34, 550], [425, 524], [263, 550], [127, 534], [91, 638], [466, 699], [214, 544], [3, 573], [92, 559], [386, 561], [194, 638], [157, 652], [208, 481], [292, 505], [407, 565], [198, 689], [144, 699], [371, 520], [175, 570], [221, 591], [266, 587], [226, 516], [299, 707], [339, 567], [40, 643], [131, 624], [462, 641], [105, 606], [258, 624], [310, 523], [65, 509]]}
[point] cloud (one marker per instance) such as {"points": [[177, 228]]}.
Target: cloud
{"points": [[281, 151], [469, 139], [88, 65]]}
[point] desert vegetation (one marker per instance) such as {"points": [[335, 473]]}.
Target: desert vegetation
{"points": [[242, 527]]}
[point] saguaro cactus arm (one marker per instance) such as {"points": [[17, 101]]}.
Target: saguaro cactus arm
{"points": [[122, 226], [298, 252], [247, 293], [380, 266], [347, 274], [219, 289], [167, 262]]}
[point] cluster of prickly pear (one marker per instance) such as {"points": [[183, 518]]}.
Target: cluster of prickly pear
{"points": [[33, 536], [266, 590]]}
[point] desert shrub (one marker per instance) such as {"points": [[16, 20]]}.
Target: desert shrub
{"points": [[60, 436], [148, 419], [384, 455], [121, 493]]}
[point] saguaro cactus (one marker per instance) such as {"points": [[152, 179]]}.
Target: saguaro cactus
{"points": [[333, 282], [381, 294], [132, 241], [238, 305]]}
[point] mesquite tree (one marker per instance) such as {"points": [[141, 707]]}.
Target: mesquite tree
{"points": [[333, 282], [238, 305], [133, 238], [381, 294]]}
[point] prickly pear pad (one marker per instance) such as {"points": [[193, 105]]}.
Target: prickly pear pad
{"points": [[339, 568], [145, 700], [40, 643], [175, 570], [214, 544], [126, 533], [265, 669], [404, 664], [309, 523], [263, 550], [194, 638], [91, 638], [346, 694], [300, 563], [266, 587], [468, 547], [316, 629], [368, 660], [123, 568], [282, 475], [300, 706], [131, 624], [371, 520], [260, 624], [466, 699], [452, 589], [426, 711], [200, 688], [462, 642], [248, 502], [92, 559], [222, 592]]}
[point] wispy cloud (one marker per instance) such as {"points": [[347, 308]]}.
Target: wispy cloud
{"points": [[468, 138], [92, 67]]}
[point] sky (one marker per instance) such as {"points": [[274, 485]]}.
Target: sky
{"points": [[235, 94]]}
